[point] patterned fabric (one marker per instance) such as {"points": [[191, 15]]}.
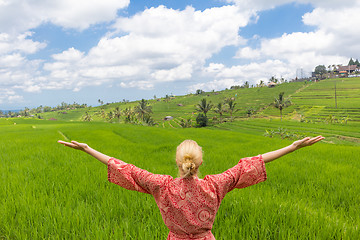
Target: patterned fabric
{"points": [[188, 205]]}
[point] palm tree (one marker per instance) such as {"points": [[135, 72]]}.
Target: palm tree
{"points": [[246, 84], [87, 117], [117, 113], [203, 106], [261, 84], [220, 110], [143, 109], [129, 114], [110, 116], [231, 103], [281, 103]]}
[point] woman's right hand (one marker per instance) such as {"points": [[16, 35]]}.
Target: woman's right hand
{"points": [[75, 145]]}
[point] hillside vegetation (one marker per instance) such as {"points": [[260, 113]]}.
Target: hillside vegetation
{"points": [[311, 101]]}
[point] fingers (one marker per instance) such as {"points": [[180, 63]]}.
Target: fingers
{"points": [[315, 140], [67, 144]]}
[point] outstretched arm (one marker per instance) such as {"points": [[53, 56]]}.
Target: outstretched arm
{"points": [[270, 156], [85, 148]]}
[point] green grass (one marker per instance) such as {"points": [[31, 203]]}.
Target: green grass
{"points": [[52, 192]]}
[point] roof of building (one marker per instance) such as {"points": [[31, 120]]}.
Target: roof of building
{"points": [[347, 68]]}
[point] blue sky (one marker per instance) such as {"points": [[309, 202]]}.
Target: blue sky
{"points": [[120, 49]]}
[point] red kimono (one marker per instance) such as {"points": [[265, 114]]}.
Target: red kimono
{"points": [[188, 205]]}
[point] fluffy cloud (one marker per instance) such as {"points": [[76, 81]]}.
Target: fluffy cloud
{"points": [[17, 17], [260, 5], [160, 44], [78, 14], [333, 41], [225, 77], [9, 96], [156, 45]]}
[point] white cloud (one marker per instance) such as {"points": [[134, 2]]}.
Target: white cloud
{"points": [[225, 77], [9, 96], [214, 85], [156, 45], [160, 44], [79, 14], [334, 41], [260, 5], [19, 43]]}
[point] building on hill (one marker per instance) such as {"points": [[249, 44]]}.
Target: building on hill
{"points": [[345, 71], [272, 84]]}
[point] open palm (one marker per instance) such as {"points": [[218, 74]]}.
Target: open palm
{"points": [[74, 145], [307, 141]]}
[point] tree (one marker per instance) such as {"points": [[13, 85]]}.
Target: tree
{"points": [[102, 113], [320, 70], [199, 91], [143, 109], [273, 79], [167, 98], [246, 85], [202, 120], [117, 114], [281, 103], [261, 84], [186, 123], [357, 63], [87, 117], [351, 62], [148, 120], [203, 106], [129, 115], [220, 110], [110, 116], [231, 107], [250, 111]]}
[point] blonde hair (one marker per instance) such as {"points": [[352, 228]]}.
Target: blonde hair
{"points": [[188, 158]]}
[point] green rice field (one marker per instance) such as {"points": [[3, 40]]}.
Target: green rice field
{"points": [[48, 191]]}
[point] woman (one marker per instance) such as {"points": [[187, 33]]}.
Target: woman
{"points": [[188, 205]]}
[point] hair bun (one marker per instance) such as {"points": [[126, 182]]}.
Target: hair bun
{"points": [[188, 166], [188, 158]]}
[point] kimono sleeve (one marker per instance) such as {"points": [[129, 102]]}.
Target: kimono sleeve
{"points": [[249, 171], [133, 178]]}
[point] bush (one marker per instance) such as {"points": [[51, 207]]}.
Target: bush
{"points": [[202, 120]]}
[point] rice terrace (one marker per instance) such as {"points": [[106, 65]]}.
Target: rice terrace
{"points": [[49, 192]]}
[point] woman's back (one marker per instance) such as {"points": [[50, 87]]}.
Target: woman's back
{"points": [[188, 205]]}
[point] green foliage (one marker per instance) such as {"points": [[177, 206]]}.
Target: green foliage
{"points": [[231, 106], [250, 111], [143, 110], [281, 103], [201, 120], [87, 117], [351, 62], [283, 134], [199, 91], [219, 109], [204, 106], [320, 69]]}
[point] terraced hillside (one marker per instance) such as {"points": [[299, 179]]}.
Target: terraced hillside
{"points": [[317, 101], [312, 102]]}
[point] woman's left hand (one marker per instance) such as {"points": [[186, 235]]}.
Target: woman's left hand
{"points": [[75, 145], [307, 142]]}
